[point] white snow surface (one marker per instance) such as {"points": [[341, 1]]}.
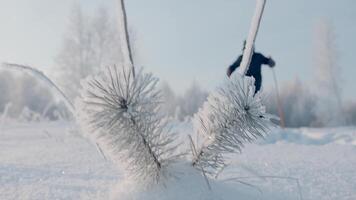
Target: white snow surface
{"points": [[49, 160]]}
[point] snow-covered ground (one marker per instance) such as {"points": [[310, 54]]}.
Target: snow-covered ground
{"points": [[50, 161]]}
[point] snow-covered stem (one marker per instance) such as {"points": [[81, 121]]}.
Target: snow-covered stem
{"points": [[121, 111], [270, 177], [231, 117], [255, 24], [40, 75], [125, 37], [237, 179]]}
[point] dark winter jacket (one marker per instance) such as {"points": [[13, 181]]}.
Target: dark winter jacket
{"points": [[255, 67]]}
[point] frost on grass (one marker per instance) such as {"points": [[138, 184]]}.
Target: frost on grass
{"points": [[120, 111], [232, 116]]}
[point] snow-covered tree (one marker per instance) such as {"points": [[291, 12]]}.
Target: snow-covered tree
{"points": [[327, 75], [90, 43], [350, 113], [298, 103], [7, 83], [182, 106], [192, 99], [169, 100]]}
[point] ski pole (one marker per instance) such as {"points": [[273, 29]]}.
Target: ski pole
{"points": [[279, 101]]}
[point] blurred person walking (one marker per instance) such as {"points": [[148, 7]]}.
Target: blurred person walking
{"points": [[254, 69]]}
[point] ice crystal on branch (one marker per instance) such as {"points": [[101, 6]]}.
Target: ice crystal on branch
{"points": [[120, 110], [232, 116]]}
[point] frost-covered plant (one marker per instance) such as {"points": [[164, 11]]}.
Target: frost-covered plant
{"points": [[232, 116], [120, 110]]}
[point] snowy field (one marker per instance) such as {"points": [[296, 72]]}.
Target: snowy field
{"points": [[51, 161]]}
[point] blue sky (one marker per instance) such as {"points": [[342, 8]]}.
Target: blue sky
{"points": [[182, 41]]}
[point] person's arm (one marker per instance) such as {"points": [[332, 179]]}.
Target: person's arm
{"points": [[268, 61], [234, 66]]}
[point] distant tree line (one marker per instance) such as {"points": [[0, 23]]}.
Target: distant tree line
{"points": [[303, 107], [182, 106], [26, 98]]}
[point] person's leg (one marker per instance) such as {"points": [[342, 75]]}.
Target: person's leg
{"points": [[258, 82]]}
